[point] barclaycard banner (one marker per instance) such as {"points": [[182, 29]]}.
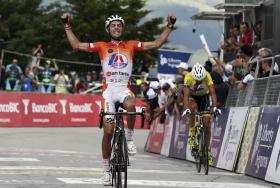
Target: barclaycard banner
{"points": [[232, 138], [168, 60], [273, 170], [264, 139], [167, 136], [218, 128], [179, 138]]}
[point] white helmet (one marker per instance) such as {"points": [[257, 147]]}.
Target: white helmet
{"points": [[113, 18], [198, 72]]}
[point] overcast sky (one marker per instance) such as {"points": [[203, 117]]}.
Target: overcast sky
{"points": [[183, 38]]}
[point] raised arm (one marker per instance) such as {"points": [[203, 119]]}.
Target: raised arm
{"points": [[164, 35], [75, 43]]}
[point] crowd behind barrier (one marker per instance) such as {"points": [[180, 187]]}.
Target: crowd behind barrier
{"points": [[244, 140]]}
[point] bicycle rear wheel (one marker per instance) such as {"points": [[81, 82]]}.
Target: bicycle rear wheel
{"points": [[121, 170], [204, 152]]}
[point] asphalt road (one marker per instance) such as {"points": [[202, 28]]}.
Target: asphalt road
{"points": [[70, 157]]}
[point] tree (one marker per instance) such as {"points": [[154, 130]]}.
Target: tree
{"points": [[25, 23]]}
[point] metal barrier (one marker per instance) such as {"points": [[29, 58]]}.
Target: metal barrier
{"points": [[261, 91]]}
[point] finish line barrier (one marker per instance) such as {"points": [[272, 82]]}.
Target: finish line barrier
{"points": [[19, 109], [244, 140]]}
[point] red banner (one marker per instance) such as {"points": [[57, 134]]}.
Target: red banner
{"points": [[155, 138], [36, 109]]}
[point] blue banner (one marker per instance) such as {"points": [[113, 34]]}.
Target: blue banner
{"points": [[168, 60], [264, 138]]}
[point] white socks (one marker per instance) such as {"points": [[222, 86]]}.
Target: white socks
{"points": [[129, 134], [106, 166]]}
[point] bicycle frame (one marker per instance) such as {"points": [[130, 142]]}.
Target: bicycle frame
{"points": [[119, 156], [201, 156]]}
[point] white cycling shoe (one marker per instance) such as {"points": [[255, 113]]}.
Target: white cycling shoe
{"points": [[131, 148], [107, 178]]}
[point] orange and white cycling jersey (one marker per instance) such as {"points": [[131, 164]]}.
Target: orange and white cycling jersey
{"points": [[116, 59]]}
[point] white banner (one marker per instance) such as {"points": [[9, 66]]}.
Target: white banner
{"points": [[167, 136], [273, 170], [232, 138]]}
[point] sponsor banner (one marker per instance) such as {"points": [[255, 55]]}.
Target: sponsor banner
{"points": [[36, 109], [179, 138], [10, 109], [168, 60], [167, 136], [218, 128], [156, 137], [232, 138], [273, 170], [264, 139], [247, 139]]}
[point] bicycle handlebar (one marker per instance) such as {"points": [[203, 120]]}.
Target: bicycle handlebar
{"points": [[142, 114], [202, 113]]}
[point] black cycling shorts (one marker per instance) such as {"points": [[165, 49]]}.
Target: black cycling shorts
{"points": [[203, 102]]}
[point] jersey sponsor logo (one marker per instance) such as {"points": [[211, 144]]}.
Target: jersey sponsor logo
{"points": [[91, 45], [110, 50], [118, 61], [139, 45], [108, 74]]}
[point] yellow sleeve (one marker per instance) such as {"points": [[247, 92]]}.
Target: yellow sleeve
{"points": [[187, 79], [209, 79]]}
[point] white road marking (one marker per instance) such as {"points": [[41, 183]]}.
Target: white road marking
{"points": [[16, 159], [51, 168], [183, 184]]}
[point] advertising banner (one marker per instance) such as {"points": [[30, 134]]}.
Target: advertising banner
{"points": [[273, 170], [179, 138], [247, 141], [218, 128], [155, 137], [169, 59], [167, 136], [263, 142], [36, 109], [232, 138]]}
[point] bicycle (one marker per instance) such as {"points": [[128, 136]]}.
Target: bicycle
{"points": [[119, 160], [200, 149]]}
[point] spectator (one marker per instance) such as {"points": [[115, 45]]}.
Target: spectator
{"points": [[240, 65], [27, 80], [45, 76], [221, 87], [258, 34], [73, 82], [37, 53], [182, 68], [246, 32], [178, 95], [153, 101], [266, 68], [249, 77], [231, 43], [61, 81], [13, 74], [89, 82]]}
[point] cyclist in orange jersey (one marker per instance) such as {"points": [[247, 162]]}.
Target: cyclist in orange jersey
{"points": [[116, 58]]}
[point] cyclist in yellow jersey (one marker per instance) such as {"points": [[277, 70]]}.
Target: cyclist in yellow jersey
{"points": [[116, 59], [197, 92]]}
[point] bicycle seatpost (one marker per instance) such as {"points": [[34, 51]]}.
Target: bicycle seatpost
{"points": [[143, 117]]}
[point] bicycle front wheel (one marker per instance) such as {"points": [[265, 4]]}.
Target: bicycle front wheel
{"points": [[204, 152], [121, 171]]}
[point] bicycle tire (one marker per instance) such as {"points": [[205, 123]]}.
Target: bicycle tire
{"points": [[204, 152], [121, 171], [197, 156]]}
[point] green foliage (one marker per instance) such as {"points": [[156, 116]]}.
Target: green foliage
{"points": [[25, 23]]}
